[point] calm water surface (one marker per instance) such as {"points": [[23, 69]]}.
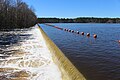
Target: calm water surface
{"points": [[97, 59]]}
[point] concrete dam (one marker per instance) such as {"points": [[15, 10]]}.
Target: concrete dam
{"points": [[35, 57]]}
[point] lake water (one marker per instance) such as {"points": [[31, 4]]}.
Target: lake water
{"points": [[96, 59]]}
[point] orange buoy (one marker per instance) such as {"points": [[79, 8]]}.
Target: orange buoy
{"points": [[82, 33], [88, 34], [95, 36], [77, 32], [65, 29], [69, 30], [72, 31]]}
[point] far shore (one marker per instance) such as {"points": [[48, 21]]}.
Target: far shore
{"points": [[79, 20]]}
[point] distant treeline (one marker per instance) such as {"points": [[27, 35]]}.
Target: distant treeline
{"points": [[79, 20], [16, 14]]}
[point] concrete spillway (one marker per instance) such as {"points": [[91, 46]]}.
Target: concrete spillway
{"points": [[37, 58], [68, 70]]}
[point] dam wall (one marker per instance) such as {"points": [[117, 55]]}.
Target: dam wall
{"points": [[68, 70]]}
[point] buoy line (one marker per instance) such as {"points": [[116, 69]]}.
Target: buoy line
{"points": [[72, 31]]}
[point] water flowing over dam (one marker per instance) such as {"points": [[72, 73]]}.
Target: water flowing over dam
{"points": [[25, 55], [28, 59]]}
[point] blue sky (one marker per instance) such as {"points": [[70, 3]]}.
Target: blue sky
{"points": [[75, 8]]}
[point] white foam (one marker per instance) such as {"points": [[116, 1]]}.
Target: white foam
{"points": [[34, 58]]}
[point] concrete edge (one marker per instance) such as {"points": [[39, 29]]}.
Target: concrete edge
{"points": [[68, 70]]}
